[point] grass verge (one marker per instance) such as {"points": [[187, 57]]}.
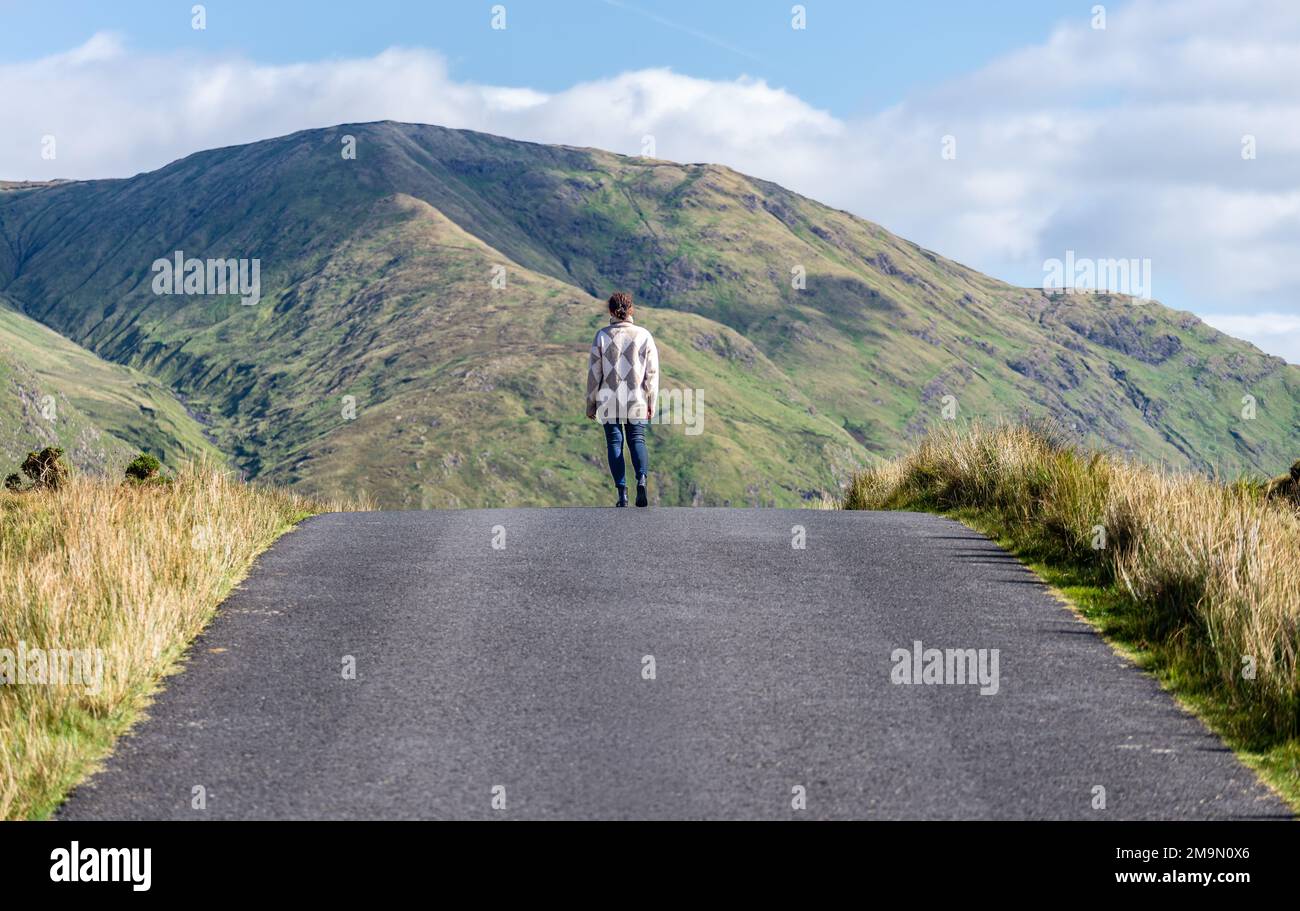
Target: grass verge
{"points": [[103, 586], [1197, 581]]}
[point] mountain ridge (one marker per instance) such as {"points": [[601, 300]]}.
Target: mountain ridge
{"points": [[866, 352]]}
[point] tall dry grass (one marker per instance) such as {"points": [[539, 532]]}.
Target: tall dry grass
{"points": [[1210, 570], [135, 571]]}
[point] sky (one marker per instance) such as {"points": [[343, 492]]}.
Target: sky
{"points": [[1002, 135]]}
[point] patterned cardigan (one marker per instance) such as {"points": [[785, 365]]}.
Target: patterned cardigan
{"points": [[622, 373]]}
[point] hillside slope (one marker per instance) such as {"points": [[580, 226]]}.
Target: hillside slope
{"points": [[376, 282], [53, 393]]}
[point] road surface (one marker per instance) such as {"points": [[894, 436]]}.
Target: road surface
{"points": [[661, 663]]}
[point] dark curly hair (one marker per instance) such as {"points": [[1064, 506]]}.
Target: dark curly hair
{"points": [[620, 305]]}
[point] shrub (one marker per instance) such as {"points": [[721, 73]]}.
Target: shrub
{"points": [[143, 467], [46, 468], [1287, 487]]}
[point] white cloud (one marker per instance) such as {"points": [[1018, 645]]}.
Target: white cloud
{"points": [[1117, 143], [1276, 333]]}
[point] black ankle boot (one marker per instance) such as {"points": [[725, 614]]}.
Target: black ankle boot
{"points": [[641, 499], [622, 496]]}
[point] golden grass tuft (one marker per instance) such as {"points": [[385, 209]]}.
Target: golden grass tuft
{"points": [[1210, 571], [133, 570]]}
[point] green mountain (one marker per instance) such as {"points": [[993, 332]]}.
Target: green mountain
{"points": [[53, 393], [386, 354]]}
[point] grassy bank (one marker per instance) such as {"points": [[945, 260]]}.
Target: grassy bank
{"points": [[1198, 580], [110, 582]]}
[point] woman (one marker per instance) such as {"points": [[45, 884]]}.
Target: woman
{"points": [[622, 387]]}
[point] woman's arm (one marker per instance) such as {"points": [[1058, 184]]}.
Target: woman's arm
{"points": [[651, 382], [595, 374]]}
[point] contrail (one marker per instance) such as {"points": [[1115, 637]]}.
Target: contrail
{"points": [[694, 33]]}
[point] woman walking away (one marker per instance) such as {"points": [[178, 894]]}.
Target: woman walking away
{"points": [[622, 387]]}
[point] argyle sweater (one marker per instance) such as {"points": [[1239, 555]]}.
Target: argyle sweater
{"points": [[622, 373]]}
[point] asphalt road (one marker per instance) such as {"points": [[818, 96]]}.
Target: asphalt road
{"points": [[518, 673]]}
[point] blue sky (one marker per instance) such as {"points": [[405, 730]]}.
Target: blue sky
{"points": [[874, 54], [1122, 139]]}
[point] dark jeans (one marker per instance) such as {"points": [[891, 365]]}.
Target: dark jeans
{"points": [[635, 434]]}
